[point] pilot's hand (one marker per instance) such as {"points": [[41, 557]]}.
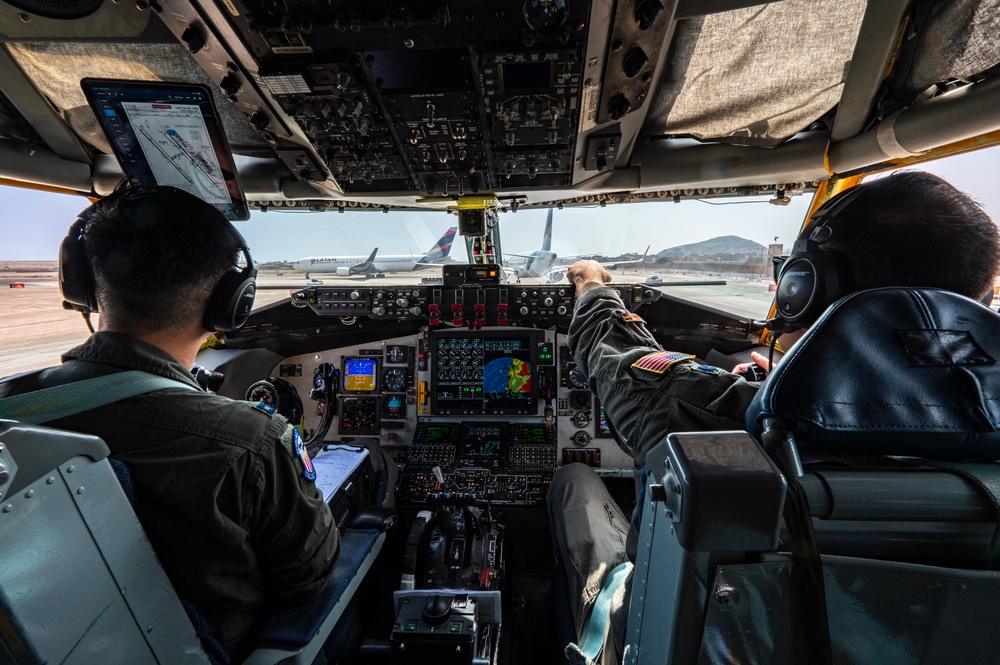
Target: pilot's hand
{"points": [[586, 275], [757, 359]]}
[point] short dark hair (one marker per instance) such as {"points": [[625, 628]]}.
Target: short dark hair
{"points": [[157, 253], [913, 228]]}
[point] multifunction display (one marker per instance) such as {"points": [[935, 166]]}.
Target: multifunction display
{"points": [[484, 373], [360, 375]]}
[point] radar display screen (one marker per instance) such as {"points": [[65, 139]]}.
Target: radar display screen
{"points": [[482, 440], [169, 134], [360, 375], [484, 373]]}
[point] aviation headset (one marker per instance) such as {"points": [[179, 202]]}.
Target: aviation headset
{"points": [[228, 307], [811, 279]]}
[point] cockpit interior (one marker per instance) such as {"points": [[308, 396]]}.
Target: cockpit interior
{"points": [[462, 375]]}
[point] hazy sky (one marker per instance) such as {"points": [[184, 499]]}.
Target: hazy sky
{"points": [[32, 224]]}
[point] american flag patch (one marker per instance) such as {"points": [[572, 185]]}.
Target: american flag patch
{"points": [[631, 318], [660, 362]]}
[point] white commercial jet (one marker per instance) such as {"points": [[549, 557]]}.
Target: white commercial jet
{"points": [[370, 266], [540, 262]]}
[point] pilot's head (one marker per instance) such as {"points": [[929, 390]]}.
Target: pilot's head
{"points": [[157, 253], [907, 229], [913, 228]]}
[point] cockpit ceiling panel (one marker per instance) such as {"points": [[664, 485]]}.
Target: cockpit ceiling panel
{"points": [[756, 76], [56, 69], [960, 39]]}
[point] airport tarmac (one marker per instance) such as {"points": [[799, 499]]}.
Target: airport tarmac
{"points": [[35, 329]]}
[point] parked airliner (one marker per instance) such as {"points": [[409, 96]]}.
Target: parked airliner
{"points": [[370, 266]]}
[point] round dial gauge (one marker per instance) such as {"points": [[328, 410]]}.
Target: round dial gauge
{"points": [[262, 391], [395, 354], [577, 377], [394, 406], [581, 419], [394, 379]]}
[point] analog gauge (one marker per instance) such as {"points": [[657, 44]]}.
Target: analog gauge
{"points": [[263, 391], [577, 377], [581, 419], [395, 354], [394, 380], [581, 439], [394, 406]]}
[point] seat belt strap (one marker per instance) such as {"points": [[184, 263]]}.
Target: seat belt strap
{"points": [[596, 627], [69, 399]]}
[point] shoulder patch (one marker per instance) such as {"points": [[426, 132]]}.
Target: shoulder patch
{"points": [[629, 317], [300, 451], [264, 408], [660, 362], [707, 369]]}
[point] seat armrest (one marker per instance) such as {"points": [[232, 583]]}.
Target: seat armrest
{"points": [[296, 627], [372, 517]]}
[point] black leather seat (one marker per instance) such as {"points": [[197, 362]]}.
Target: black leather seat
{"points": [[893, 371], [883, 423]]}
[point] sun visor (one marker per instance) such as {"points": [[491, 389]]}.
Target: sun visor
{"points": [[756, 76], [56, 69], [958, 41]]}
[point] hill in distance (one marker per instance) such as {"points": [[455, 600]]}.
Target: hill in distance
{"points": [[733, 245]]}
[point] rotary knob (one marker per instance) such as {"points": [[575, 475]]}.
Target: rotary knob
{"points": [[403, 302], [561, 309], [355, 295], [378, 311], [549, 301], [415, 310], [524, 310]]}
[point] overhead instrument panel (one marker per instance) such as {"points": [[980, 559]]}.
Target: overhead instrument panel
{"points": [[441, 97]]}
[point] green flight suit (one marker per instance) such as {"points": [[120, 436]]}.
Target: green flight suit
{"points": [[644, 405]]}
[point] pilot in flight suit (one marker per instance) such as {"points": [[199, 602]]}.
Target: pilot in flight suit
{"points": [[906, 229], [220, 488], [675, 394]]}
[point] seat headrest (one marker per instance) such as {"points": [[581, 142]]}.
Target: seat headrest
{"points": [[892, 371]]}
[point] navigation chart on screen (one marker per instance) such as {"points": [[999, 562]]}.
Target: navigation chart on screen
{"points": [[177, 146]]}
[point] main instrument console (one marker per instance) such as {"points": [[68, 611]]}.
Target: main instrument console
{"points": [[479, 406], [475, 305]]}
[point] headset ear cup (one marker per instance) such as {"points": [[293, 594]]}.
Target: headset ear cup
{"points": [[808, 284], [76, 278], [231, 301]]}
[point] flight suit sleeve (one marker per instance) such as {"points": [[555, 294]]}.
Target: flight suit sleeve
{"points": [[644, 405], [294, 535]]}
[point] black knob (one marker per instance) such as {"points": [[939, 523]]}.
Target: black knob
{"points": [[645, 13], [634, 61], [194, 38], [618, 106], [437, 608], [231, 85], [260, 121]]}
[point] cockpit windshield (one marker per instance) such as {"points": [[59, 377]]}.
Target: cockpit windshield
{"points": [[716, 252]]}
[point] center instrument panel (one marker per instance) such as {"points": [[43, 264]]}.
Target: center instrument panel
{"points": [[475, 407]]}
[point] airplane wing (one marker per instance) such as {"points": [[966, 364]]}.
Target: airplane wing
{"points": [[367, 266]]}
